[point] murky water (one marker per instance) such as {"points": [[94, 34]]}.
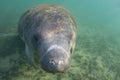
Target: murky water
{"points": [[97, 51]]}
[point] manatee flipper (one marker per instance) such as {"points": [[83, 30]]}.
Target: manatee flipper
{"points": [[29, 54], [72, 48], [73, 42]]}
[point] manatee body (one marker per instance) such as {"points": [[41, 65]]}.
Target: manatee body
{"points": [[50, 31]]}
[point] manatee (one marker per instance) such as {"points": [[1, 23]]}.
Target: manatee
{"points": [[50, 31]]}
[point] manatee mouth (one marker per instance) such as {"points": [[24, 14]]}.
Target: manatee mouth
{"points": [[55, 61]]}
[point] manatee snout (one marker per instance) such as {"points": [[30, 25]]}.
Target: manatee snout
{"points": [[55, 61]]}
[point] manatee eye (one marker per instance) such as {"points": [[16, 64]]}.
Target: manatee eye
{"points": [[35, 38]]}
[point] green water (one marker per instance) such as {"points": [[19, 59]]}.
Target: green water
{"points": [[97, 52]]}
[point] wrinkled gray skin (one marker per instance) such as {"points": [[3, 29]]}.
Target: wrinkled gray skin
{"points": [[51, 32]]}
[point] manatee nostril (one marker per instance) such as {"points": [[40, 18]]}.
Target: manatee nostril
{"points": [[49, 65], [56, 66], [60, 62], [52, 63]]}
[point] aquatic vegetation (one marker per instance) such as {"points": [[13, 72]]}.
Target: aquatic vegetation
{"points": [[96, 57]]}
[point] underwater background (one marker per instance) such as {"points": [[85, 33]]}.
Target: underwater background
{"points": [[97, 51]]}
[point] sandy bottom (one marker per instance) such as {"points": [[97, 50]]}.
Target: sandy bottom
{"points": [[96, 57]]}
